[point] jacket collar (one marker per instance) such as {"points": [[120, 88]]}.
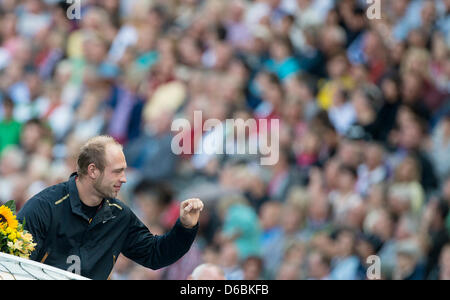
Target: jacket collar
{"points": [[102, 216]]}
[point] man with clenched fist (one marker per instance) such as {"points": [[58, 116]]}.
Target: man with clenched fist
{"points": [[81, 226]]}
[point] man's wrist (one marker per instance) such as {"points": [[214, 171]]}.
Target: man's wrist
{"points": [[187, 226]]}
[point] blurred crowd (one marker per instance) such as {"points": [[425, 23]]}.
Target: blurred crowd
{"points": [[363, 106]]}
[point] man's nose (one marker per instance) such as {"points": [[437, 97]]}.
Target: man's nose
{"points": [[123, 179]]}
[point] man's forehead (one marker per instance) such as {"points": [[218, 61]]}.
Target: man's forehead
{"points": [[114, 153], [113, 148]]}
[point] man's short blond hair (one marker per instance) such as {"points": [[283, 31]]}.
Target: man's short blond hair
{"points": [[93, 152]]}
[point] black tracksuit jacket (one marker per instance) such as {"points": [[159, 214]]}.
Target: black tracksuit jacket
{"points": [[60, 228]]}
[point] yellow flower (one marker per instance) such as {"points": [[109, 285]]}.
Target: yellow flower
{"points": [[12, 236], [6, 216], [19, 241]]}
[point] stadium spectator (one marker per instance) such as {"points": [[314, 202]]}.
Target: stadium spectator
{"points": [[207, 272]]}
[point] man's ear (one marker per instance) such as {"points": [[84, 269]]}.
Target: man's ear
{"points": [[92, 171]]}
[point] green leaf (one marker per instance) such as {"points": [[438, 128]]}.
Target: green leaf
{"points": [[11, 205]]}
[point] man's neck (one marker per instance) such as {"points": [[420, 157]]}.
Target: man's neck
{"points": [[87, 194]]}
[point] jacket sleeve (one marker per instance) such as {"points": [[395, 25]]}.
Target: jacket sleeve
{"points": [[153, 251], [37, 215]]}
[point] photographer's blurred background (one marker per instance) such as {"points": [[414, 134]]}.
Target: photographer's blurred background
{"points": [[364, 110]]}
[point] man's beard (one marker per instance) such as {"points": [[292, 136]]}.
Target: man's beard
{"points": [[103, 191]]}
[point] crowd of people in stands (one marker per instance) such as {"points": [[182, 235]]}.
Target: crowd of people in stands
{"points": [[364, 125]]}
